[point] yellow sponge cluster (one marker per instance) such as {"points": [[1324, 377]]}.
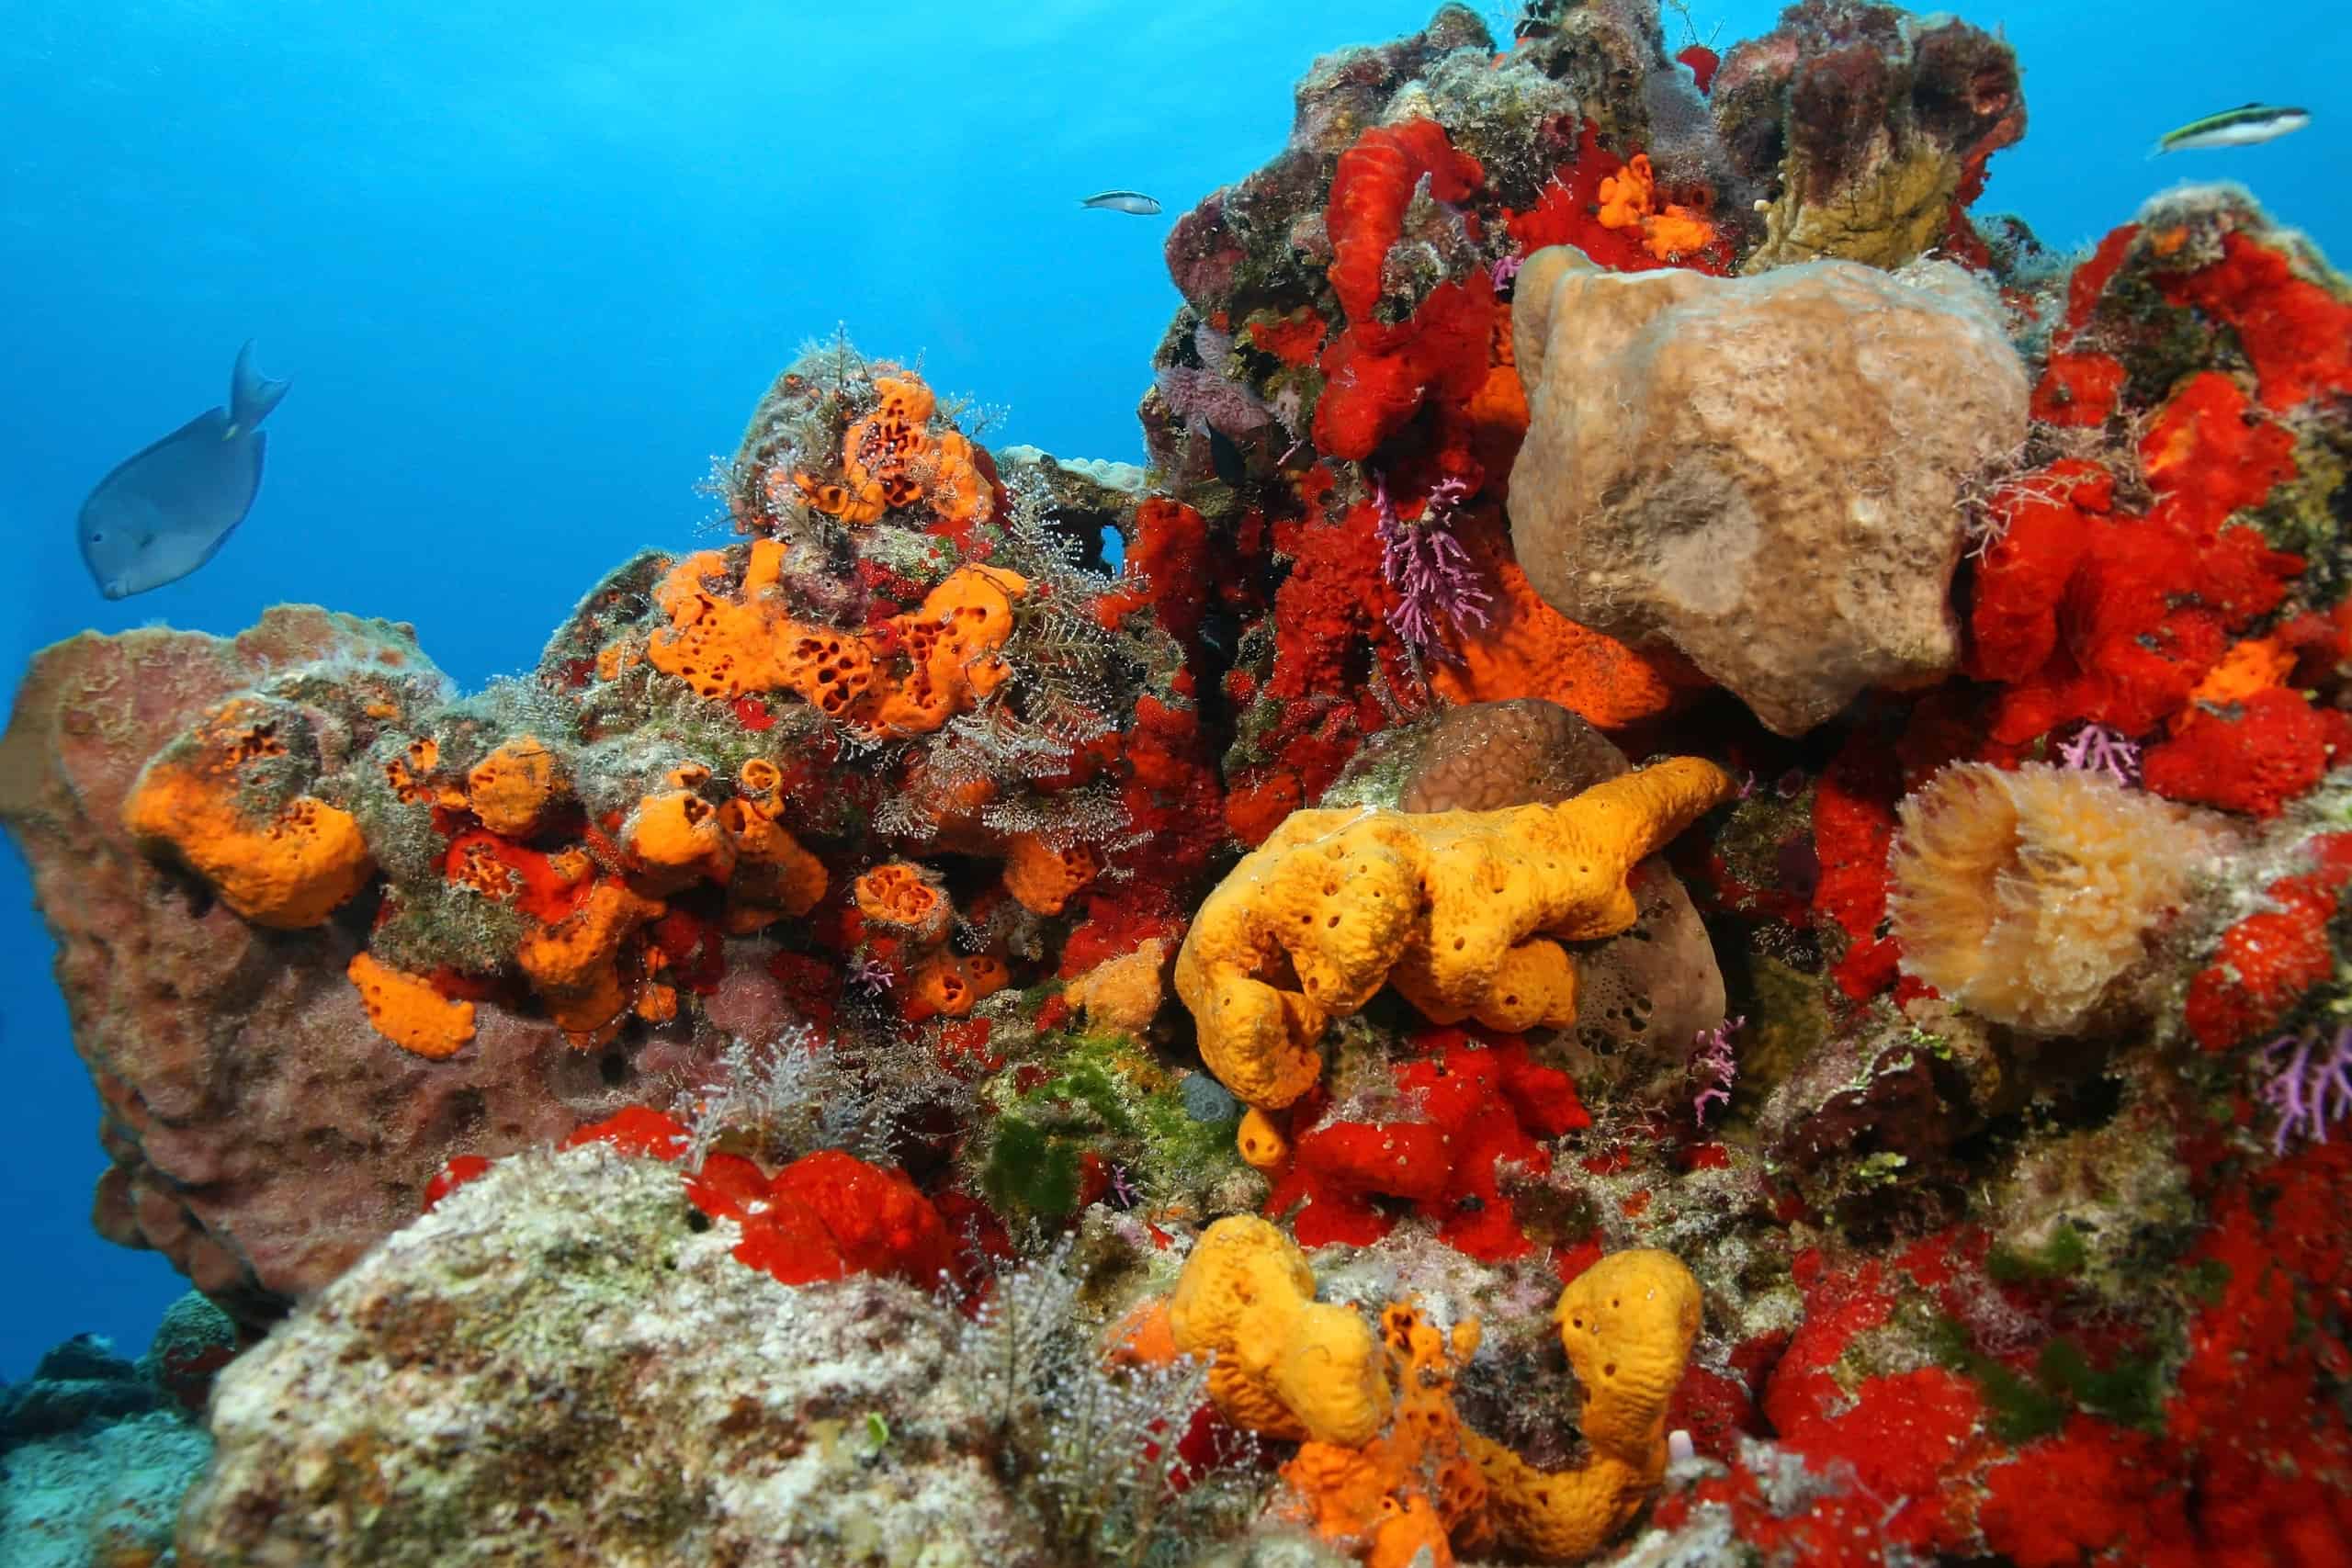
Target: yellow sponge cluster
{"points": [[1463, 911], [1385, 1467], [1628, 1324], [1285, 1364]]}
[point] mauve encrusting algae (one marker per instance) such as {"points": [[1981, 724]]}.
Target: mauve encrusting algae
{"points": [[1225, 1058]]}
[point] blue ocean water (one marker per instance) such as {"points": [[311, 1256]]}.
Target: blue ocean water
{"points": [[529, 263]]}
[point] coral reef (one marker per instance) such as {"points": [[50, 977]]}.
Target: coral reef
{"points": [[1671, 888]]}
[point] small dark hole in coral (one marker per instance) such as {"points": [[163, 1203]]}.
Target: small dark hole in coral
{"points": [[696, 1221], [613, 1067]]}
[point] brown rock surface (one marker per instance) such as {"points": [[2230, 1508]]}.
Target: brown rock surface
{"points": [[1762, 472], [1868, 128], [263, 1133]]}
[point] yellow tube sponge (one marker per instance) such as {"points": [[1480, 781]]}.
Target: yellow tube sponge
{"points": [[1628, 1324], [1284, 1364], [1462, 911], [2023, 895]]}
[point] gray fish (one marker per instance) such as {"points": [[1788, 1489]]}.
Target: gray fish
{"points": [[1133, 201], [2241, 127], [162, 513]]}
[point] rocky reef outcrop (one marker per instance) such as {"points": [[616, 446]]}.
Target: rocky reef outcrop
{"points": [[558, 1332]]}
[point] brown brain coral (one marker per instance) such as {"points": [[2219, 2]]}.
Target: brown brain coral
{"points": [[2023, 896], [1486, 756]]}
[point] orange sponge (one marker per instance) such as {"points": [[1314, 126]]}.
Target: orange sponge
{"points": [[574, 964], [408, 1011], [511, 790], [287, 870]]}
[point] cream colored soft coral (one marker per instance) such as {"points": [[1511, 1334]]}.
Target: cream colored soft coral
{"points": [[2024, 895]]}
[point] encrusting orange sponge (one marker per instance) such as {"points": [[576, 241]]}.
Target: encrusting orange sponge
{"points": [[511, 790], [1042, 878], [1628, 201], [408, 1011], [1463, 911], [287, 871], [730, 647], [1122, 995], [1410, 1494], [574, 964]]}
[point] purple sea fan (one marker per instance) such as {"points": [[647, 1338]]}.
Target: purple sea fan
{"points": [[2096, 748], [2309, 1083], [1425, 567], [1714, 1068]]}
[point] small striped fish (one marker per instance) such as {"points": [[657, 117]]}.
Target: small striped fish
{"points": [[2241, 127], [1133, 201]]}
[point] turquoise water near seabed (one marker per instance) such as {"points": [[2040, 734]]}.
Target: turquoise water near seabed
{"points": [[529, 263]]}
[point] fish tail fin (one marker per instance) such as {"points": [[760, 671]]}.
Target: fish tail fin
{"points": [[252, 394]]}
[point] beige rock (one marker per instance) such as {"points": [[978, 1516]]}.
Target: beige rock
{"points": [[1763, 472], [1123, 995]]}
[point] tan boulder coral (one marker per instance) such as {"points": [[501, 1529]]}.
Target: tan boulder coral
{"points": [[1764, 473]]}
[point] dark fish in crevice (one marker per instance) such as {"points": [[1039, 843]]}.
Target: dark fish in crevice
{"points": [[1226, 459], [166, 511]]}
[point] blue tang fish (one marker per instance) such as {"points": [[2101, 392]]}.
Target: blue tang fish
{"points": [[164, 513]]}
